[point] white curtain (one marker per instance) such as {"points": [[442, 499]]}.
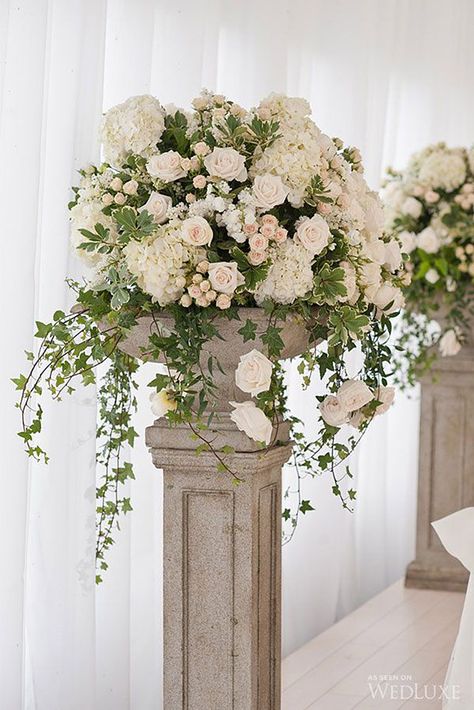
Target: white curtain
{"points": [[388, 77]]}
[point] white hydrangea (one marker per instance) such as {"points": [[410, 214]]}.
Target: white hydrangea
{"points": [[443, 169], [85, 215], [290, 276], [295, 156], [135, 126], [159, 264]]}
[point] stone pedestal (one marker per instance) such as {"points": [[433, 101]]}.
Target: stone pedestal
{"points": [[446, 467], [222, 542], [222, 579]]}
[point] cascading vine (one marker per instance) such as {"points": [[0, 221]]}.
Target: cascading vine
{"points": [[196, 215]]}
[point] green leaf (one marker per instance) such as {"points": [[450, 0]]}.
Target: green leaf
{"points": [[305, 506], [126, 505], [248, 331], [328, 285], [272, 339], [20, 381], [42, 329]]}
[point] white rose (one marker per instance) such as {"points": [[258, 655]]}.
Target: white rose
{"points": [[313, 234], [196, 231], [269, 191], [387, 294], [375, 250], [157, 205], [428, 240], [226, 163], [408, 240], [432, 276], [166, 166], [354, 394], [393, 255], [254, 373], [333, 412], [370, 276], [225, 277], [449, 344], [252, 421], [411, 206], [384, 395], [357, 419], [374, 215], [161, 403]]}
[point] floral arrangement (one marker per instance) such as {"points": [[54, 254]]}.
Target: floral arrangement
{"points": [[429, 207], [197, 214]]}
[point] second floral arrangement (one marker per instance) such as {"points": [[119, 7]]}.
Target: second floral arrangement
{"points": [[430, 208]]}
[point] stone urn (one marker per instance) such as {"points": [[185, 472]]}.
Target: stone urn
{"points": [[222, 541], [446, 465]]}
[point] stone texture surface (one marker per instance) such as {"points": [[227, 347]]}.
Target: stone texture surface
{"points": [[227, 351], [222, 543], [222, 581], [446, 466]]}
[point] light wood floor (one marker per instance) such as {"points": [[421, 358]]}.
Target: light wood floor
{"points": [[405, 633]]}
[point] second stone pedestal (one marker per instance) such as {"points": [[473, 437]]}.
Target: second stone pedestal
{"points": [[446, 467], [222, 578]]}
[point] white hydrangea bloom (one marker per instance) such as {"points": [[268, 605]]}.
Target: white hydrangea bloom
{"points": [[444, 169], [158, 263], [290, 276], [135, 126]]}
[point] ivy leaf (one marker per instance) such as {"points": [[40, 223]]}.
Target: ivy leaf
{"points": [[272, 339], [305, 506], [42, 329], [248, 331], [20, 381], [126, 505]]}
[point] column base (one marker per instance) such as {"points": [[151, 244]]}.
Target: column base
{"points": [[445, 579]]}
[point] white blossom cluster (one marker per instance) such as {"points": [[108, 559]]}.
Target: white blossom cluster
{"points": [[429, 207], [266, 182]]}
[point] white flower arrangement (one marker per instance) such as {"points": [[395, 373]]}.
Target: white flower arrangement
{"points": [[429, 208], [201, 213]]}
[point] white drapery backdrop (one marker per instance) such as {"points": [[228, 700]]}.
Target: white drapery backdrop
{"points": [[388, 77]]}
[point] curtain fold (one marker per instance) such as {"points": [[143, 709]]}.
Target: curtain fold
{"points": [[388, 77]]}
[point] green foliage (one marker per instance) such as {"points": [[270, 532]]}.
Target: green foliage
{"points": [[248, 331], [329, 285], [174, 137], [317, 192], [115, 431]]}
